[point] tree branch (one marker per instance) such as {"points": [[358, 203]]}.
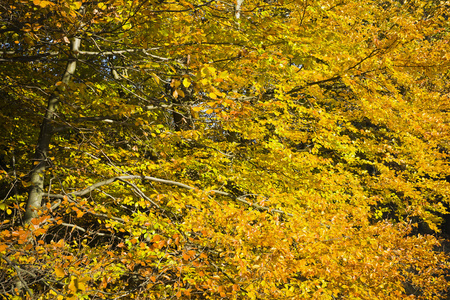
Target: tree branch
{"points": [[18, 271], [141, 193], [240, 199]]}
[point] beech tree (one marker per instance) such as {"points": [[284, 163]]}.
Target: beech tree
{"points": [[224, 149]]}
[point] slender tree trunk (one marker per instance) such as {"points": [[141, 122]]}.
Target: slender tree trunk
{"points": [[238, 8], [41, 156]]}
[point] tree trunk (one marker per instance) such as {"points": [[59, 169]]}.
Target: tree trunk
{"points": [[41, 156]]}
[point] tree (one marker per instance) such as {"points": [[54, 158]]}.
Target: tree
{"points": [[207, 150]]}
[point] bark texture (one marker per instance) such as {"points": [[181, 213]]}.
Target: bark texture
{"points": [[41, 156]]}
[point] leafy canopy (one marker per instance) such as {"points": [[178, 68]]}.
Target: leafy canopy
{"points": [[224, 150]]}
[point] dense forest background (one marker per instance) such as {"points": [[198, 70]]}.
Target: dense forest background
{"points": [[190, 149]]}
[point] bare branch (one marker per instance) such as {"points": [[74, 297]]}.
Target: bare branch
{"points": [[169, 182], [141, 193]]}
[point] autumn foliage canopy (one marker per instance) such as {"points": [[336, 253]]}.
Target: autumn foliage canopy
{"points": [[206, 149]]}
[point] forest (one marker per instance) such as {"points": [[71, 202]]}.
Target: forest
{"points": [[224, 149]]}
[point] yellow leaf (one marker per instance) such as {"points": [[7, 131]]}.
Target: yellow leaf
{"points": [[73, 284], [102, 6], [212, 95], [224, 74], [197, 108], [78, 284], [186, 82], [82, 283], [60, 272], [155, 77], [76, 5], [216, 91]]}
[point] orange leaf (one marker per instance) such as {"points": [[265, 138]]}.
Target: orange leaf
{"points": [[3, 247], [180, 93], [44, 3], [161, 244]]}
